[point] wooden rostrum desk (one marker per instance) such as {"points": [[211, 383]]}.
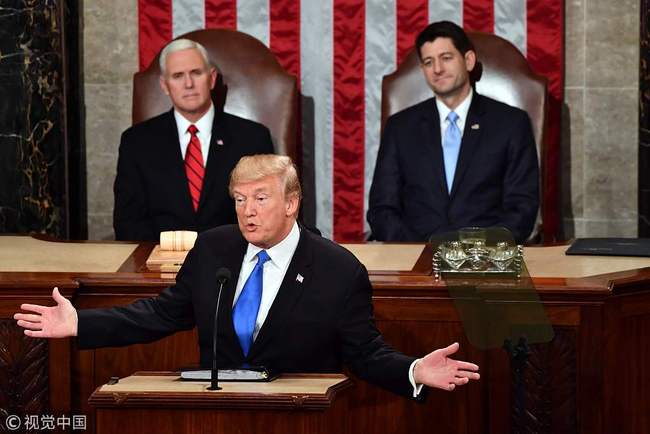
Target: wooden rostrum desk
{"points": [[592, 378], [158, 402]]}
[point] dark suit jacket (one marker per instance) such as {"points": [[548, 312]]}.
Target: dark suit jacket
{"points": [[313, 326], [151, 191], [495, 183]]}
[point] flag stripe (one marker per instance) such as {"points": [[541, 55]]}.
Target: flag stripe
{"points": [[285, 43], [155, 28], [380, 60], [411, 17], [450, 10], [478, 15], [253, 18], [316, 21], [285, 34], [187, 16], [220, 13], [510, 22], [546, 41], [546, 55], [349, 107]]}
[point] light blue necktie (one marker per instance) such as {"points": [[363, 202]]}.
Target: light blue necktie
{"points": [[244, 314], [451, 148]]}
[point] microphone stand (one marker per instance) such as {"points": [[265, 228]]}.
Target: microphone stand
{"points": [[214, 377]]}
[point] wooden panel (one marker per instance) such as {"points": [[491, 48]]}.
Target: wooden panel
{"points": [[626, 377], [24, 379], [184, 421]]}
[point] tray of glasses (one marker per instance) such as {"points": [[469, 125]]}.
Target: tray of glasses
{"points": [[453, 258]]}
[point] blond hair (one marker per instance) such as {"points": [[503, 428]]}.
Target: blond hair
{"points": [[255, 167], [178, 45]]}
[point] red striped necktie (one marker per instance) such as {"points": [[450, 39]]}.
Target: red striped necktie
{"points": [[194, 166]]}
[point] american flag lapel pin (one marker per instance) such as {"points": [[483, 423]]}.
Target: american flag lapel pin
{"points": [[219, 142], [299, 278], [475, 126]]}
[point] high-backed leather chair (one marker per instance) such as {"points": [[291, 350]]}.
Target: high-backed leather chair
{"points": [[502, 74], [251, 84]]}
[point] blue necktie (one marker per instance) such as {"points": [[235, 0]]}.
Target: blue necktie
{"points": [[244, 314], [451, 148]]}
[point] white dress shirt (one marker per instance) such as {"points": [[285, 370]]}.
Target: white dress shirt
{"points": [[461, 111], [274, 270], [204, 125]]}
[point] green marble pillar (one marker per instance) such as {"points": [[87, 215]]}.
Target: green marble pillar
{"points": [[644, 120], [33, 106]]}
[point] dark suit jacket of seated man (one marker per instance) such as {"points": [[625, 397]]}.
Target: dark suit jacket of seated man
{"points": [[306, 318], [496, 179], [151, 187]]}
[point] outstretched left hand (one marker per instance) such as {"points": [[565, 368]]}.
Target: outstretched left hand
{"points": [[436, 369]]}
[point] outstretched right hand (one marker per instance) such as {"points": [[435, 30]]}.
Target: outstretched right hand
{"points": [[58, 321]]}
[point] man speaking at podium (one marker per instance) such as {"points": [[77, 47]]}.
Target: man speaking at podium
{"points": [[297, 302]]}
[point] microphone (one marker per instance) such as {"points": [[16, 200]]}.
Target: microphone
{"points": [[223, 275]]}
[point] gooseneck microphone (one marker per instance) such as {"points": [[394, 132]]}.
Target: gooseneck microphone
{"points": [[223, 276]]}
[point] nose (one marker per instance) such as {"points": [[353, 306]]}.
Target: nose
{"points": [[189, 82], [437, 67], [250, 208]]}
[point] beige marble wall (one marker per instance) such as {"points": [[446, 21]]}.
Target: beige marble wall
{"points": [[599, 171], [110, 53], [599, 161]]}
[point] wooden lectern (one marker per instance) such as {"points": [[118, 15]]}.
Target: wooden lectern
{"points": [[160, 402]]}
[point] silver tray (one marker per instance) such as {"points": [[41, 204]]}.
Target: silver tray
{"points": [[441, 268]]}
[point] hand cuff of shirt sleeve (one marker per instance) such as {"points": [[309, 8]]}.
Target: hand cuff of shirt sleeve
{"points": [[417, 388]]}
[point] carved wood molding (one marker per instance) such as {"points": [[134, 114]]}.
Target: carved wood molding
{"points": [[545, 386], [23, 373]]}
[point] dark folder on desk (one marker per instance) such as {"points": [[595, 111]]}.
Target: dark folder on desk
{"points": [[249, 373], [610, 247]]}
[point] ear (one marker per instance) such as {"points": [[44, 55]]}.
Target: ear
{"points": [[163, 85], [470, 60], [213, 77], [292, 204]]}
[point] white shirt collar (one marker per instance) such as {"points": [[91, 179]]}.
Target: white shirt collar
{"points": [[204, 124], [461, 110], [281, 253]]}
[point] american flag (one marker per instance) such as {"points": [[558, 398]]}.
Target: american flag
{"points": [[340, 50]]}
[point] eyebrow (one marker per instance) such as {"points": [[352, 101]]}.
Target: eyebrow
{"points": [[441, 54], [257, 191], [183, 71]]}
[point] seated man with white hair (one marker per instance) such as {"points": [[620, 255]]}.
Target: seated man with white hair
{"points": [[296, 302], [172, 170]]}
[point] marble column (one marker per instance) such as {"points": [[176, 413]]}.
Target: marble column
{"points": [[32, 122], [644, 120]]}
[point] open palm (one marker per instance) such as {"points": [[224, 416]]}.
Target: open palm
{"points": [[49, 322], [437, 369]]}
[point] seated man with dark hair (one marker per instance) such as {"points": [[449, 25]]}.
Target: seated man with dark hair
{"points": [[284, 308], [458, 159], [172, 171]]}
